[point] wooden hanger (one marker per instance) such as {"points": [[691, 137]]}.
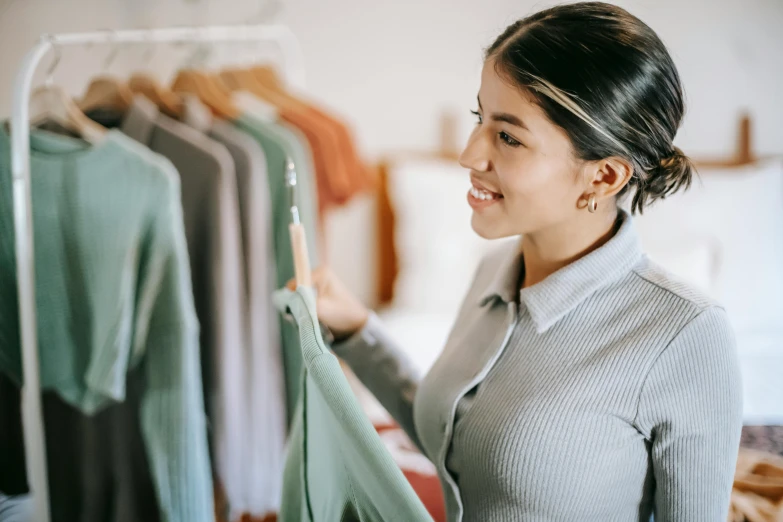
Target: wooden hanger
{"points": [[246, 80], [169, 102], [51, 103], [239, 79], [267, 76], [272, 83], [209, 89], [108, 93]]}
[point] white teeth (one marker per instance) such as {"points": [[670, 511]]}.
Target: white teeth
{"points": [[482, 195]]}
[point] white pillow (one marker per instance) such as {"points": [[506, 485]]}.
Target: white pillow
{"points": [[761, 361], [437, 249], [737, 215]]}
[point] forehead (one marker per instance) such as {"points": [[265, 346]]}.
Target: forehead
{"points": [[502, 95], [499, 94]]}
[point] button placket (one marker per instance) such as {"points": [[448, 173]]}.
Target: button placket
{"points": [[512, 319]]}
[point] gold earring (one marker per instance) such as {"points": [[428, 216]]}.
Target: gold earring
{"points": [[592, 205]]}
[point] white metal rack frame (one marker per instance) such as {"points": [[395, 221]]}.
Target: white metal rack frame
{"points": [[23, 223]]}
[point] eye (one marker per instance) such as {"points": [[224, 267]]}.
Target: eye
{"points": [[508, 140], [478, 116]]}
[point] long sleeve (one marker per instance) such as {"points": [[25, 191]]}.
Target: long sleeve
{"points": [[691, 409], [384, 369], [172, 412]]}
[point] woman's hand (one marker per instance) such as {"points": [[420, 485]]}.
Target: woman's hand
{"points": [[338, 309]]}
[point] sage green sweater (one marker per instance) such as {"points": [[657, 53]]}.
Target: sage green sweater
{"points": [[113, 293]]}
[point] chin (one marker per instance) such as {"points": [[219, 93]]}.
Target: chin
{"points": [[486, 229]]}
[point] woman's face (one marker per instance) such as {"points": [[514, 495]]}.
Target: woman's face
{"points": [[525, 177]]}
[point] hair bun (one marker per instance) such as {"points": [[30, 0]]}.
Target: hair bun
{"points": [[675, 160], [672, 173]]}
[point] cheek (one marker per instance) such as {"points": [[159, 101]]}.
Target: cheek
{"points": [[527, 178]]}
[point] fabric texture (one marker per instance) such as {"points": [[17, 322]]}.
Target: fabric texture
{"points": [[98, 467], [211, 216], [113, 293], [254, 486], [359, 177], [278, 143], [607, 392], [337, 468], [15, 509]]}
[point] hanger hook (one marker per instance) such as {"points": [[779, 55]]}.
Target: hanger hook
{"points": [[200, 53], [55, 62], [115, 49], [205, 50], [151, 48]]}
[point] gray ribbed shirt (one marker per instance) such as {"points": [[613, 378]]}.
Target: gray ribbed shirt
{"points": [[607, 392]]}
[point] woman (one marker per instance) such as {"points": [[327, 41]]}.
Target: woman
{"points": [[580, 382]]}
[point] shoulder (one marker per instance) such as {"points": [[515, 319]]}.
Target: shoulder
{"points": [[662, 282], [695, 329], [202, 151], [142, 164], [672, 300], [240, 143]]}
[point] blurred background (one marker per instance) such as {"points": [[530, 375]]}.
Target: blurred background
{"points": [[403, 76], [393, 69]]}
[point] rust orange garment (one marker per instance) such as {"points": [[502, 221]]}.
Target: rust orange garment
{"points": [[333, 185], [361, 178]]}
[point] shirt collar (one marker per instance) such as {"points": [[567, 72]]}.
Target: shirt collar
{"points": [[140, 119], [551, 299], [195, 114]]}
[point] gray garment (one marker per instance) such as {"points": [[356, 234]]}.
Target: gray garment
{"points": [[211, 215], [253, 484], [98, 468], [607, 392]]}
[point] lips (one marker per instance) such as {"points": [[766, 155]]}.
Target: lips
{"points": [[485, 187]]}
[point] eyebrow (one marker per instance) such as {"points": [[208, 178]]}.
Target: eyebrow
{"points": [[506, 118]]}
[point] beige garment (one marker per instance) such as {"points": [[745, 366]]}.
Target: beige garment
{"points": [[757, 495]]}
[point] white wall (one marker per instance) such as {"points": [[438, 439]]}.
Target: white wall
{"points": [[391, 67]]}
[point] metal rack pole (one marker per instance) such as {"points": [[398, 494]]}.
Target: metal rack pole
{"points": [[32, 418]]}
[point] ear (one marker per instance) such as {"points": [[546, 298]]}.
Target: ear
{"points": [[607, 177]]}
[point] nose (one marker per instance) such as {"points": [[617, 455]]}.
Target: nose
{"points": [[475, 155]]}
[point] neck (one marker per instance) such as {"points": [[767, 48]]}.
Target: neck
{"points": [[547, 251]]}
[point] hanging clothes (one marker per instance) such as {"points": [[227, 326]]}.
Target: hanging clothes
{"points": [[337, 468], [211, 216], [113, 294], [255, 487], [338, 169], [98, 467], [15, 509], [278, 143], [359, 178]]}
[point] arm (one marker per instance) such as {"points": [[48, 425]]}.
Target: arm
{"points": [[384, 369], [172, 415], [690, 408]]}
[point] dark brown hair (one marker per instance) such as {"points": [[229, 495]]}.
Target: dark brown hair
{"points": [[606, 78]]}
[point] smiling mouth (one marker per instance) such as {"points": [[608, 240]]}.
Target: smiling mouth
{"points": [[484, 195]]}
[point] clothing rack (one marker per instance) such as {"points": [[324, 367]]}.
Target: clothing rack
{"points": [[32, 419]]}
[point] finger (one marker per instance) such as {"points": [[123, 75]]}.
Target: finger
{"points": [[291, 284], [320, 272]]}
